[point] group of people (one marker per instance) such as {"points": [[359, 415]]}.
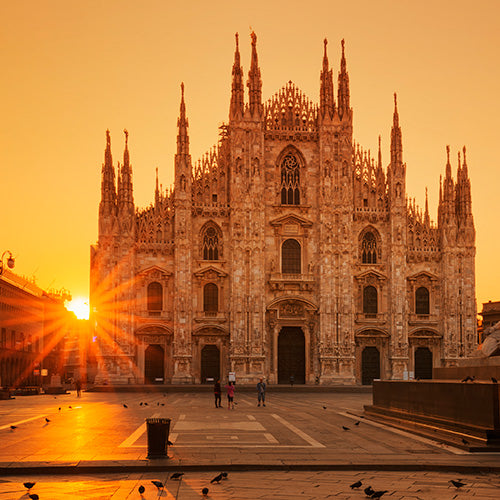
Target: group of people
{"points": [[261, 394]]}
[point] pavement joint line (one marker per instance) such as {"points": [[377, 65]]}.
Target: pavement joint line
{"points": [[451, 449], [127, 443], [302, 434], [19, 422]]}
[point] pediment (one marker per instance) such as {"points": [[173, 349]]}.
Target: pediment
{"points": [[372, 274], [210, 270], [292, 219], [155, 272], [423, 274], [424, 334]]}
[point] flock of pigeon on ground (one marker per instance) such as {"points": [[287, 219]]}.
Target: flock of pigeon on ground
{"points": [[177, 476]]}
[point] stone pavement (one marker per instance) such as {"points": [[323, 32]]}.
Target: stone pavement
{"points": [[295, 444], [257, 485]]}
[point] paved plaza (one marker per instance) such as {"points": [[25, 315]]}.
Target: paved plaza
{"points": [[304, 445]]}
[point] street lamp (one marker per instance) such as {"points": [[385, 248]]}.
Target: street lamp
{"points": [[10, 261]]}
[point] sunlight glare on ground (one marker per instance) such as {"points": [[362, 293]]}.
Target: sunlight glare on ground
{"points": [[80, 307]]}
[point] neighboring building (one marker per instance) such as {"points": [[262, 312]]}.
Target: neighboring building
{"points": [[32, 327], [287, 250], [490, 315]]}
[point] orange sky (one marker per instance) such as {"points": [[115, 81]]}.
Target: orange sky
{"points": [[70, 70]]}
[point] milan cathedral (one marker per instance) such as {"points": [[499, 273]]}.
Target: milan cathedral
{"points": [[287, 252]]}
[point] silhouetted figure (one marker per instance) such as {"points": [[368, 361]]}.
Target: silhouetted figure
{"points": [[217, 394], [261, 392], [78, 386], [292, 380]]}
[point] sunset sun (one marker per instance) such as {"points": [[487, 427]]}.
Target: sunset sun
{"points": [[80, 307]]}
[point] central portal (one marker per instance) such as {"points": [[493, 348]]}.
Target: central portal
{"points": [[291, 355], [154, 359], [210, 363]]}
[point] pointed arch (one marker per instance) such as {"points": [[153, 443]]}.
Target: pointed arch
{"points": [[290, 162], [369, 246], [211, 241]]}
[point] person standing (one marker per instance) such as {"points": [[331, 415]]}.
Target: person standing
{"points": [[261, 392], [217, 394], [78, 386], [230, 395]]}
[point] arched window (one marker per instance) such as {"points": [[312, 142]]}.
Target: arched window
{"points": [[210, 244], [291, 257], [155, 297], [369, 249], [290, 180], [370, 300], [210, 298], [422, 300]]}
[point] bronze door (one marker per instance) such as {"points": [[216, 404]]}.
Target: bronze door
{"points": [[154, 364], [210, 363], [291, 356], [423, 362], [370, 365]]}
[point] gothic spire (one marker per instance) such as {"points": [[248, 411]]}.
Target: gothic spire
{"points": [[426, 213], [182, 124], [327, 102], [254, 83], [379, 152], [125, 191], [343, 86], [108, 188], [396, 140], [157, 191], [237, 92]]}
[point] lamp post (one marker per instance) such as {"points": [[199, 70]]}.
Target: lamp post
{"points": [[10, 261]]}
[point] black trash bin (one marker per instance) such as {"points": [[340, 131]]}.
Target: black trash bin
{"points": [[158, 430]]}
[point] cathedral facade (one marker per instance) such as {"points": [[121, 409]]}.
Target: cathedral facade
{"points": [[286, 252]]}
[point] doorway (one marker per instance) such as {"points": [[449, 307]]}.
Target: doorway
{"points": [[154, 364], [291, 355], [423, 362], [210, 363], [370, 365]]}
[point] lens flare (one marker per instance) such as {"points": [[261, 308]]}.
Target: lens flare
{"points": [[80, 307]]}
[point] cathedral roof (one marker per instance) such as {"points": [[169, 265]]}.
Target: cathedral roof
{"points": [[290, 109]]}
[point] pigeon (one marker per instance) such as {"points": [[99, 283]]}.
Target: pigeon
{"points": [[124, 405], [158, 484], [469, 378], [70, 407], [345, 428], [324, 407], [145, 404], [34, 496], [13, 427], [176, 475], [217, 479], [170, 442], [158, 403], [224, 475], [141, 403], [494, 380], [369, 491], [356, 423], [59, 408], [47, 420], [457, 484], [163, 404], [28, 485], [378, 494], [464, 441], [141, 489], [357, 484], [204, 492]]}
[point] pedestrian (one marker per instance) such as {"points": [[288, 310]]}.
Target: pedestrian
{"points": [[261, 392], [78, 386], [230, 395], [217, 394], [292, 380]]}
